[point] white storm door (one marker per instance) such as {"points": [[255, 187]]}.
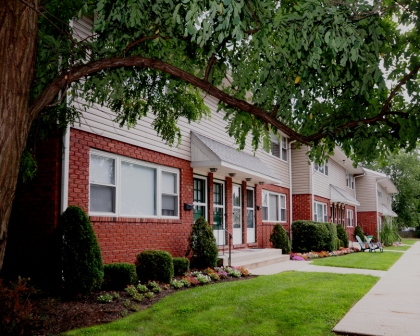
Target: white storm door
{"points": [[219, 213], [250, 215], [237, 215]]}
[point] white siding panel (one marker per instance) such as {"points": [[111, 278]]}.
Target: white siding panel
{"points": [[300, 171], [337, 176], [366, 192]]}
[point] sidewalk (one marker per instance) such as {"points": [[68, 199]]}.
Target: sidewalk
{"points": [[392, 306]]}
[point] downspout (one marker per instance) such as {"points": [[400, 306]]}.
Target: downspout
{"points": [[355, 194], [377, 206], [312, 190], [65, 170], [290, 190]]}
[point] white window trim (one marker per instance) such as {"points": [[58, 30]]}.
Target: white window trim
{"points": [[198, 177], [282, 142], [323, 166], [349, 180], [325, 208], [118, 159], [350, 217], [280, 208]]}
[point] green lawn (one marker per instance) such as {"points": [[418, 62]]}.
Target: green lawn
{"points": [[367, 260], [397, 248], [409, 241], [290, 303]]}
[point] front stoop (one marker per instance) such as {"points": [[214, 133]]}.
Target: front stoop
{"points": [[253, 258]]}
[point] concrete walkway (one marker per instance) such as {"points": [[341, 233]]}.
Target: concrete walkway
{"points": [[392, 306]]}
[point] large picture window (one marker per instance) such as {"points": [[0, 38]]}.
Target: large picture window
{"points": [[274, 207], [121, 186], [320, 212]]}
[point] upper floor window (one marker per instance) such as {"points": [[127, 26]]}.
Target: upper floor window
{"points": [[320, 212], [349, 180], [279, 146], [379, 194], [120, 186], [274, 207], [323, 168]]}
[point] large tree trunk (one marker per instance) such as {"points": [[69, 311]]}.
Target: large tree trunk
{"points": [[18, 40]]}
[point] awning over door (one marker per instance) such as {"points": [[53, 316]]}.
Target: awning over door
{"points": [[207, 153], [388, 212], [339, 195]]}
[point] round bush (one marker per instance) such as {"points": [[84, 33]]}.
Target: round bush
{"points": [[309, 236], [359, 232], [181, 265], [279, 239], [81, 258], [202, 243], [342, 235], [118, 275], [155, 265]]}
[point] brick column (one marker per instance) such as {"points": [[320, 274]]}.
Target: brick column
{"points": [[244, 217], [228, 206], [210, 199], [258, 216]]}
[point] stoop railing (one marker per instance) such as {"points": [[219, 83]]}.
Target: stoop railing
{"points": [[229, 237]]}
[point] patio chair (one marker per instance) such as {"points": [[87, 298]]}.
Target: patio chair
{"points": [[363, 246], [374, 246]]}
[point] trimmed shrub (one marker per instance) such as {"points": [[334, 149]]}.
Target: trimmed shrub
{"points": [[155, 265], [309, 236], [181, 265], [331, 243], [389, 233], [359, 232], [81, 258], [279, 239], [118, 275], [342, 235], [202, 243]]}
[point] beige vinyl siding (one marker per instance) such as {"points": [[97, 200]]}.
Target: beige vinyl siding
{"points": [[301, 170], [100, 120], [337, 176], [366, 192], [322, 183]]}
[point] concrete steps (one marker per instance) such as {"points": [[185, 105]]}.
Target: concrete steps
{"points": [[253, 258]]}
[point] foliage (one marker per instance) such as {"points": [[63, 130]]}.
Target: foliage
{"points": [[118, 275], [342, 236], [202, 243], [17, 314], [105, 298], [181, 265], [155, 265], [404, 171], [230, 308], [82, 266], [142, 288], [389, 232], [359, 232], [332, 237], [310, 236], [280, 239], [149, 295]]}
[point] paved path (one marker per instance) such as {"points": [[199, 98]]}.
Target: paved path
{"points": [[392, 306]]}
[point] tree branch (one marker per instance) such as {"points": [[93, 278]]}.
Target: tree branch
{"points": [[145, 38], [208, 68]]}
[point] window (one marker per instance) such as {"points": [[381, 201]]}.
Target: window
{"points": [[274, 207], [236, 202], [349, 180], [218, 206], [121, 186], [200, 199], [379, 194], [379, 224], [279, 146], [350, 220], [250, 208], [320, 212], [323, 168]]}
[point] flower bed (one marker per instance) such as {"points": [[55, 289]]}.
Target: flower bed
{"points": [[322, 254]]}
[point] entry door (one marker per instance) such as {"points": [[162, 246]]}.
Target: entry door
{"points": [[237, 218], [219, 213], [250, 216]]}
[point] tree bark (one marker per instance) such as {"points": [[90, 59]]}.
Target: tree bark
{"points": [[18, 40]]}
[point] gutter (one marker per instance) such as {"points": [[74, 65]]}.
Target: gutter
{"points": [[355, 194], [290, 190], [65, 170]]}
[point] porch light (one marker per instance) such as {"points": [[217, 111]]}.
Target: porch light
{"points": [[261, 183], [232, 174], [213, 170], [248, 179]]}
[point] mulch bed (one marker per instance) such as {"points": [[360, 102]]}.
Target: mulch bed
{"points": [[64, 315]]}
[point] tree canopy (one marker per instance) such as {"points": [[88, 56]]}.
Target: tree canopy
{"points": [[308, 68]]}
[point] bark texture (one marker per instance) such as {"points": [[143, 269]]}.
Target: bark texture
{"points": [[18, 36]]}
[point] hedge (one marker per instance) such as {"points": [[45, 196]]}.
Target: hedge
{"points": [[155, 265], [181, 265], [313, 236], [118, 275]]}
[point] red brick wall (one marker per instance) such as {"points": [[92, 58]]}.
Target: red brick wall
{"points": [[302, 209], [369, 222], [121, 238], [35, 214], [264, 229], [349, 229]]}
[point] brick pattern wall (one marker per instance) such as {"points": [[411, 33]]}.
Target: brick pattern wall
{"points": [[121, 239], [264, 229], [369, 222], [350, 229], [302, 209], [35, 215]]}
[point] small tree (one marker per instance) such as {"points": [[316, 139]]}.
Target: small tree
{"points": [[82, 265], [342, 235], [202, 243], [279, 239], [359, 232]]}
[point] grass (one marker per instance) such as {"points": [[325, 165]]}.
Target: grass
{"points": [[397, 248], [410, 241], [366, 260], [290, 303]]}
